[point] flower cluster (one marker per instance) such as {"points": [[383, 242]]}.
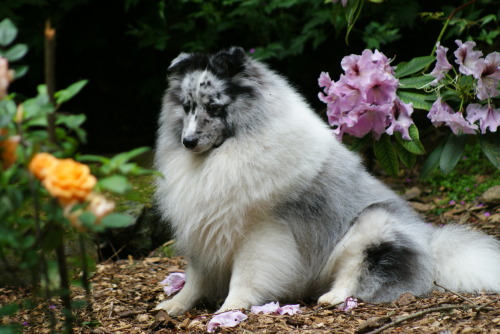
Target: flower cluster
{"points": [[486, 75], [364, 99], [71, 183]]}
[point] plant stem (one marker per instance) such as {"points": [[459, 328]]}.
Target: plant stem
{"points": [[50, 81], [65, 291], [85, 274], [447, 22]]}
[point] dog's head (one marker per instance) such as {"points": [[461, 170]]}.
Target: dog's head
{"points": [[208, 90]]}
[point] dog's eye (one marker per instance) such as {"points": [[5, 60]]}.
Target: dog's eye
{"points": [[215, 109]]}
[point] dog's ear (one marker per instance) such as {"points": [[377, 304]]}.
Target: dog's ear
{"points": [[229, 61], [180, 62]]}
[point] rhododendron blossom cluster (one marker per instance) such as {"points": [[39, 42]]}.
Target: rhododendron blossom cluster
{"points": [[364, 99], [486, 75]]}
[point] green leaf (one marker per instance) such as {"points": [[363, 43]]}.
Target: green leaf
{"points": [[359, 144], [20, 71], [407, 158], [490, 144], [386, 155], [8, 32], [9, 309], [115, 183], [71, 121], [413, 66], [114, 220], [419, 101], [432, 162], [452, 152], [68, 93], [414, 145], [16, 52], [416, 82]]}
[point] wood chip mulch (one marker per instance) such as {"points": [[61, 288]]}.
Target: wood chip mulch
{"points": [[125, 293]]}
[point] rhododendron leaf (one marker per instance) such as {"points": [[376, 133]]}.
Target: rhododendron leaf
{"points": [[68, 93], [420, 101], [117, 220], [432, 162], [386, 155], [452, 152], [407, 158], [358, 144], [115, 183], [8, 32], [416, 82], [490, 144], [413, 66], [414, 145]]}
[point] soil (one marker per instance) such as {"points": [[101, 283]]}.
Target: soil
{"points": [[125, 293]]}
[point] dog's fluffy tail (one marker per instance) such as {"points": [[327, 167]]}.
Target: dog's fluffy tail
{"points": [[466, 260]]}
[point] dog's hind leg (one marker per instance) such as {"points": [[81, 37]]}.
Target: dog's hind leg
{"points": [[189, 295], [266, 268], [381, 257]]}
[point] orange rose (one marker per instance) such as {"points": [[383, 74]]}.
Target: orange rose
{"points": [[41, 163], [69, 181], [8, 148]]}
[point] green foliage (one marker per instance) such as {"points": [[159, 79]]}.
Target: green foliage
{"points": [[472, 176], [36, 223]]}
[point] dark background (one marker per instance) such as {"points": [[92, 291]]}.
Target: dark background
{"points": [[124, 47]]}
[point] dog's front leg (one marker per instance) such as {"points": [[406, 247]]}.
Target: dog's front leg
{"points": [[265, 268], [189, 295]]}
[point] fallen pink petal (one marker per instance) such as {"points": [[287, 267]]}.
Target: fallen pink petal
{"points": [[226, 319], [275, 308], [348, 304], [271, 307], [173, 283], [290, 309]]}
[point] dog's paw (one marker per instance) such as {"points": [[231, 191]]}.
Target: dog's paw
{"points": [[172, 307], [332, 298]]}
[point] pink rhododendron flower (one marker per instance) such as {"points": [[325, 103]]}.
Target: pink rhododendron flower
{"points": [[226, 319], [348, 304], [364, 99], [487, 116], [441, 113], [488, 71], [275, 308], [442, 65], [173, 283], [402, 119], [467, 58]]}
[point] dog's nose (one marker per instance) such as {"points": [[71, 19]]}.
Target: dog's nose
{"points": [[190, 142]]}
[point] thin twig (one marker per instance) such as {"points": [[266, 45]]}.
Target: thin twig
{"points": [[478, 308], [456, 294]]}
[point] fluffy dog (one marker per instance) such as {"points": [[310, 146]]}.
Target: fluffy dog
{"points": [[267, 205]]}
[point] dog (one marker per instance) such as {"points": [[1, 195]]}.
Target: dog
{"points": [[267, 205]]}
